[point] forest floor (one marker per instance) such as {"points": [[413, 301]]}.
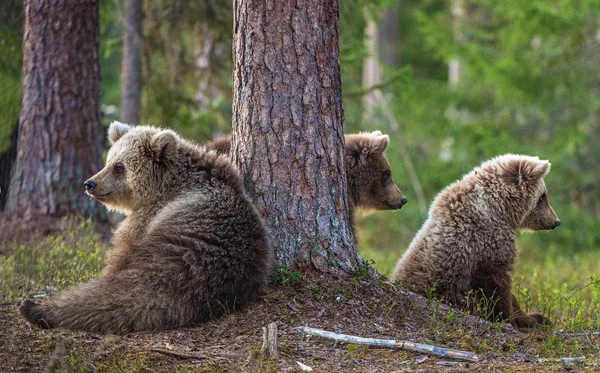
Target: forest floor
{"points": [[362, 304]]}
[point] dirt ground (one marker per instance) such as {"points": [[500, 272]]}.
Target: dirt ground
{"points": [[361, 305]]}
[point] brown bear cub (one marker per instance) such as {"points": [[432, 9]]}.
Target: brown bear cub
{"points": [[468, 243], [368, 173], [191, 248]]}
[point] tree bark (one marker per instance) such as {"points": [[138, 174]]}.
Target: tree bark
{"points": [[288, 138], [60, 137], [131, 64]]}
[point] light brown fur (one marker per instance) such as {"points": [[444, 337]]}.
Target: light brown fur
{"points": [[468, 242], [368, 172], [191, 248]]}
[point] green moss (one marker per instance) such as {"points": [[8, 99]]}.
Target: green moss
{"points": [[47, 264]]}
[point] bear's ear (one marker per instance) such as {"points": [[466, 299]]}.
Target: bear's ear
{"points": [[117, 130], [361, 146], [539, 170], [378, 143], [163, 145], [524, 171]]}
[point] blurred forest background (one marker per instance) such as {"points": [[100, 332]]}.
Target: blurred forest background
{"points": [[452, 82]]}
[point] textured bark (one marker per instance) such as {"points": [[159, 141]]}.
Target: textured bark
{"points": [[7, 159], [131, 65], [288, 138], [60, 137]]}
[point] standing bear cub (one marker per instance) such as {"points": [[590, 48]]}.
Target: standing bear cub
{"points": [[191, 248], [468, 243], [368, 172]]}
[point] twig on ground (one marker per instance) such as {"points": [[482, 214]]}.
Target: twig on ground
{"points": [[59, 351], [562, 360], [562, 333], [586, 334], [179, 354], [389, 343], [269, 346]]}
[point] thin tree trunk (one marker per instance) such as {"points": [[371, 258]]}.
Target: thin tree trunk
{"points": [[7, 158], [454, 65], [388, 36], [131, 65], [60, 137], [371, 76], [288, 138]]}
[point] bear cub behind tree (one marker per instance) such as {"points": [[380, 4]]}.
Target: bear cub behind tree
{"points": [[191, 248], [468, 243], [368, 172]]}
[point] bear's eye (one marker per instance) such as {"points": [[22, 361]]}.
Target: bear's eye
{"points": [[387, 175], [119, 168], [543, 197]]}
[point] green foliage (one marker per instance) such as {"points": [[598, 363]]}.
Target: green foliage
{"points": [[52, 263], [530, 84], [285, 276], [364, 270], [10, 69]]}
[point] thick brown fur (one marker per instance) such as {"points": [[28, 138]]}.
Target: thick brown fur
{"points": [[368, 172], [468, 243], [191, 248]]}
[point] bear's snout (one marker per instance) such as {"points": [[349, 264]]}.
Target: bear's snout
{"points": [[89, 185], [398, 205], [556, 224]]}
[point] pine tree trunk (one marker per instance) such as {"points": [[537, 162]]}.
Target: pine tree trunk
{"points": [[288, 138], [131, 66], [60, 137], [7, 158]]}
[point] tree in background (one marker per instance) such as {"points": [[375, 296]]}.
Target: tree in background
{"points": [[131, 64], [11, 30], [60, 138], [287, 129], [187, 66]]}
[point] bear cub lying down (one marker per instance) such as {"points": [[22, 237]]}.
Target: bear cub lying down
{"points": [[191, 248], [468, 243]]}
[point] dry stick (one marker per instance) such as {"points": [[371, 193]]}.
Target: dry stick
{"points": [[269, 346], [389, 343], [179, 354], [560, 333], [403, 151]]}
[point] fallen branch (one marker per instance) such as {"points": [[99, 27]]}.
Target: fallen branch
{"points": [[565, 334], [389, 343], [178, 354], [562, 360]]}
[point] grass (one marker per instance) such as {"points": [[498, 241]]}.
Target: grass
{"points": [[52, 263], [558, 284], [563, 284]]}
